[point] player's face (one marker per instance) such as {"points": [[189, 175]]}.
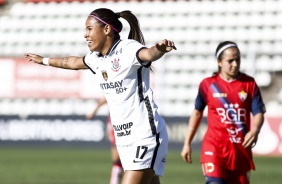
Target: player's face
{"points": [[95, 35], [230, 63]]}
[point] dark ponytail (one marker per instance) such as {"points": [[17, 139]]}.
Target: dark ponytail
{"points": [[135, 31]]}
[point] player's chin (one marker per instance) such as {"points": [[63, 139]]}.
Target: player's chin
{"points": [[91, 49], [234, 73]]}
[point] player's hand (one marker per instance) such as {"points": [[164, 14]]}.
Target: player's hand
{"points": [[250, 139], [34, 58], [165, 46], [186, 154], [89, 116]]}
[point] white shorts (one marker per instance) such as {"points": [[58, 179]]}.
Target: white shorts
{"points": [[147, 153]]}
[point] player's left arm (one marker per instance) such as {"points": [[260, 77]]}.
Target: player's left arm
{"points": [[252, 136], [258, 110], [157, 51]]}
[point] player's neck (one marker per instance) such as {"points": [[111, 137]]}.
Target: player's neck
{"points": [[229, 78]]}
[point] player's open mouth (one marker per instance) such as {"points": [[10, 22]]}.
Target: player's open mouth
{"points": [[89, 42]]}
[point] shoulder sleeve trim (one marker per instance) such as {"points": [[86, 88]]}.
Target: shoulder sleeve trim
{"points": [[87, 65], [145, 64]]}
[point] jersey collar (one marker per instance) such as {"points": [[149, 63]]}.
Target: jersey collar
{"points": [[237, 77]]}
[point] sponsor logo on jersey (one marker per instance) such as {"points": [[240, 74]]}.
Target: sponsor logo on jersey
{"points": [[233, 131], [242, 95], [234, 119], [219, 95], [125, 133], [117, 86], [115, 65], [208, 153], [123, 129], [111, 85]]}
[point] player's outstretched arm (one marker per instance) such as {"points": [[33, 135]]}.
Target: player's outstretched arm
{"points": [[157, 51], [193, 125], [70, 62]]}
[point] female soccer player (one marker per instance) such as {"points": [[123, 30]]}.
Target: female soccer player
{"points": [[231, 96], [123, 70], [117, 170]]}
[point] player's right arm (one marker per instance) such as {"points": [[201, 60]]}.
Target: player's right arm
{"points": [[193, 125], [70, 62]]}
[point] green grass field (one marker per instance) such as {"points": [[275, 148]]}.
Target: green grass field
{"points": [[90, 166]]}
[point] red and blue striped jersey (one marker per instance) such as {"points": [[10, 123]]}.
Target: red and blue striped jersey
{"points": [[230, 105]]}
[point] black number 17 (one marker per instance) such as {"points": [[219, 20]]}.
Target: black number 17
{"points": [[144, 148]]}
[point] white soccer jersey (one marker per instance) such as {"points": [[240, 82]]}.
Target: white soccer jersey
{"points": [[126, 86]]}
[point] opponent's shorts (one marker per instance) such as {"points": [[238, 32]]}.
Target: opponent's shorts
{"points": [[215, 172], [147, 153], [111, 133]]}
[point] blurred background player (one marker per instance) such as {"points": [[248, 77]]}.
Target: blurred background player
{"points": [[117, 169], [122, 68], [231, 97]]}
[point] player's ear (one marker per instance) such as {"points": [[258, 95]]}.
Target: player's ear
{"points": [[107, 29], [219, 63]]}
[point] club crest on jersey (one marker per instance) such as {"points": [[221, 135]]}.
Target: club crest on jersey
{"points": [[105, 75], [242, 95], [116, 66]]}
